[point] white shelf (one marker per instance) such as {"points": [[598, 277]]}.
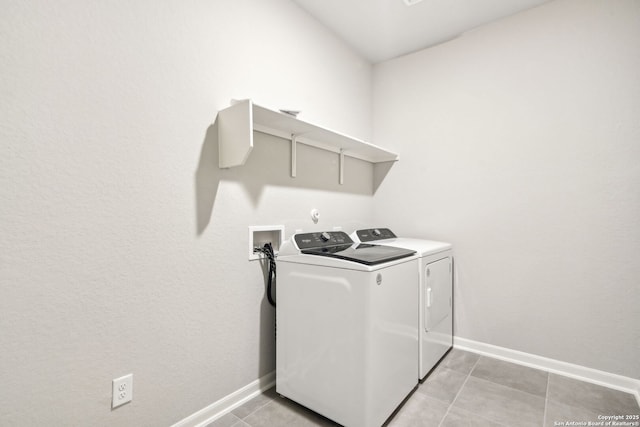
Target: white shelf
{"points": [[237, 123]]}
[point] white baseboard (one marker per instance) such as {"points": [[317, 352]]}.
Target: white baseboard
{"points": [[617, 382], [228, 403]]}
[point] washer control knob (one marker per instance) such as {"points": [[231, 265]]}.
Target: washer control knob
{"points": [[377, 232], [325, 236]]}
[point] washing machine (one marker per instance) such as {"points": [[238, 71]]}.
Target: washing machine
{"points": [[346, 326], [436, 291]]}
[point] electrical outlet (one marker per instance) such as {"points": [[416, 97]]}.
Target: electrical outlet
{"points": [[122, 390]]}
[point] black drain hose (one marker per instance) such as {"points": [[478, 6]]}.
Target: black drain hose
{"points": [[267, 250]]}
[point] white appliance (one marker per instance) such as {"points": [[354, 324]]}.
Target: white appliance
{"points": [[347, 330], [436, 291]]}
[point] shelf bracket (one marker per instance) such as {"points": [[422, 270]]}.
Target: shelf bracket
{"points": [[341, 178], [294, 146]]}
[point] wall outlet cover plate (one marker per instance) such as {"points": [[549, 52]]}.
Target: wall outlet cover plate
{"points": [[122, 391]]}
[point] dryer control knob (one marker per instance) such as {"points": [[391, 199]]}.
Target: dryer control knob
{"points": [[377, 232], [325, 236]]}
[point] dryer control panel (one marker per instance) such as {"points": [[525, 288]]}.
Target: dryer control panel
{"points": [[372, 234]]}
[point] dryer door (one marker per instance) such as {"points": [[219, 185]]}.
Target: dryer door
{"points": [[437, 292]]}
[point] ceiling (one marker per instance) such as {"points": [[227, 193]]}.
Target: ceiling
{"points": [[384, 29]]}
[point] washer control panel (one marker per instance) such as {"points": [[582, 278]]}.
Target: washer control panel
{"points": [[372, 234], [322, 239]]}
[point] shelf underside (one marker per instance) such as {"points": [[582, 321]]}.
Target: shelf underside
{"points": [[237, 123]]}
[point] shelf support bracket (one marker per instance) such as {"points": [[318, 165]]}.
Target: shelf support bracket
{"points": [[341, 178], [294, 146]]}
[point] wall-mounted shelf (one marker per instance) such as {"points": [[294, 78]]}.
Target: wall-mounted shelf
{"points": [[237, 123]]}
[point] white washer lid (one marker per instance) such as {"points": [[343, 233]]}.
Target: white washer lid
{"points": [[422, 246]]}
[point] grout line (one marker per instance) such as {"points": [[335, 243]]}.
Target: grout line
{"points": [[510, 388], [475, 365], [514, 388], [269, 400], [459, 391], [482, 418], [237, 418], [236, 421], [500, 385], [546, 400]]}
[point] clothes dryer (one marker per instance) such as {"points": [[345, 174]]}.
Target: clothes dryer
{"points": [[347, 327], [435, 291]]}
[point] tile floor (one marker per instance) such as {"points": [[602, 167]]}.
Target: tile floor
{"points": [[466, 389]]}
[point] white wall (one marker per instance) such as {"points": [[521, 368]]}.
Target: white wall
{"points": [[520, 143], [123, 246]]}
